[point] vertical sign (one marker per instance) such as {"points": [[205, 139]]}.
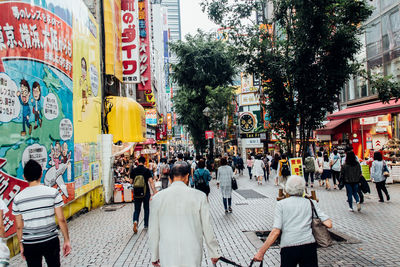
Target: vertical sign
{"points": [[130, 41], [144, 51], [169, 121]]}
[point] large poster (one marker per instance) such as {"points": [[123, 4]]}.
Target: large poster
{"points": [[50, 97]]}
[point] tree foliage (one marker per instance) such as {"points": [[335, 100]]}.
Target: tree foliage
{"points": [[303, 54], [204, 72]]}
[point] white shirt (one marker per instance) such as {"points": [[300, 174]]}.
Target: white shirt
{"points": [[179, 219]]}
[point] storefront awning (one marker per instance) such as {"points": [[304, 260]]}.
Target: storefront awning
{"points": [[368, 110], [330, 127], [126, 121]]}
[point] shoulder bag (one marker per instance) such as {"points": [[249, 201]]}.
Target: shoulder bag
{"points": [[385, 170], [234, 184], [319, 230]]}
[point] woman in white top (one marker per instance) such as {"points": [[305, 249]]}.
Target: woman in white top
{"points": [[320, 162], [377, 170], [224, 180], [258, 169], [326, 173]]}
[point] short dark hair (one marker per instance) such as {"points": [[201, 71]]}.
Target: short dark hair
{"points": [[180, 169], [25, 83], [180, 156], [377, 156], [319, 154], [201, 164], [224, 161], [32, 170], [142, 160]]}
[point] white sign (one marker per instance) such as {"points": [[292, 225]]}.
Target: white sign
{"points": [[130, 44], [252, 143], [50, 106], [36, 152], [382, 123], [368, 120], [249, 99], [66, 129], [11, 99]]}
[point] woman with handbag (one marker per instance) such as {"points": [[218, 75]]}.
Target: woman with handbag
{"points": [[293, 220], [379, 173], [224, 180], [202, 177], [350, 174], [320, 163]]}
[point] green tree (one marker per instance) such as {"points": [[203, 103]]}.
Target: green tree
{"points": [[204, 72], [303, 54]]}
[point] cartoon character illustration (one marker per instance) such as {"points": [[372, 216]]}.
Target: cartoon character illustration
{"points": [[83, 84], [65, 156], [37, 105], [23, 96], [54, 174]]}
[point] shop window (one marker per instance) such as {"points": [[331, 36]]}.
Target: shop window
{"points": [[373, 37]]}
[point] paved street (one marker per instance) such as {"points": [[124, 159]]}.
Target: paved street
{"points": [[105, 238]]}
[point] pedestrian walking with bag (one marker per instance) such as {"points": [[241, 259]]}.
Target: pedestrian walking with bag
{"points": [[164, 173], [224, 181], [379, 174], [320, 169], [326, 173], [283, 170], [309, 169], [274, 168], [336, 166], [350, 174], [294, 222], [142, 180], [179, 222], [202, 177]]}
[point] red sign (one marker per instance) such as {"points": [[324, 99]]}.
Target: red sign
{"points": [[9, 188], [209, 134], [144, 50], [32, 32], [161, 132]]}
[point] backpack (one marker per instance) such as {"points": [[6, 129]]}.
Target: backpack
{"points": [[285, 169], [309, 165], [200, 183], [274, 164], [139, 186]]}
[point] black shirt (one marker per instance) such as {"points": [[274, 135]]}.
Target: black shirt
{"points": [[142, 170]]}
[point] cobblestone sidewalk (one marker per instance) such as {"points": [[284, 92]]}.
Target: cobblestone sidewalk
{"points": [[101, 238]]}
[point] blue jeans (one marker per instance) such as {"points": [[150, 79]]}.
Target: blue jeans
{"points": [[138, 206], [249, 168], [352, 191], [227, 202]]}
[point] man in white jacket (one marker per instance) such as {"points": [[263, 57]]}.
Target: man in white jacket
{"points": [[179, 220]]}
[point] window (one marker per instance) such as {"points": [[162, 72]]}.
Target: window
{"points": [[387, 3], [373, 36], [376, 7], [391, 30], [352, 94]]}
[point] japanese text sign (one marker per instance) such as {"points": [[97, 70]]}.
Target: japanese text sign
{"points": [[209, 134], [144, 51]]}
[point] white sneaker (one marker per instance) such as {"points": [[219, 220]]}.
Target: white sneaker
{"points": [[351, 210], [358, 206]]}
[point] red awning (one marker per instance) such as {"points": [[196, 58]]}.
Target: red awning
{"points": [[368, 110], [330, 126]]}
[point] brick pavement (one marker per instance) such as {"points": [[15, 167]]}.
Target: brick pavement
{"points": [[102, 238]]}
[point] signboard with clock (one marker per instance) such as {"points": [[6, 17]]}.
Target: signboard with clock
{"points": [[247, 122]]}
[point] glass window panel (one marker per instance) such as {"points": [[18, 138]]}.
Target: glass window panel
{"points": [[386, 3], [351, 89], [373, 36], [376, 7], [394, 18]]}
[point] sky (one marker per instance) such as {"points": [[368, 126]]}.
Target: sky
{"points": [[193, 18]]}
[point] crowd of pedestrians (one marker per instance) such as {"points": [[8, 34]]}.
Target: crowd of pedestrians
{"points": [[177, 212]]}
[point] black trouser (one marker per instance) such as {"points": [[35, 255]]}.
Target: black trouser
{"points": [[249, 168], [266, 174], [360, 194], [311, 174], [138, 207], [335, 177], [50, 250], [381, 186], [164, 183], [304, 255]]}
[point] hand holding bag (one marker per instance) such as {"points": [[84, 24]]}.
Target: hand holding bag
{"points": [[385, 170], [234, 184], [319, 230]]}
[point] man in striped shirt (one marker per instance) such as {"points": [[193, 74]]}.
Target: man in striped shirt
{"points": [[34, 209]]}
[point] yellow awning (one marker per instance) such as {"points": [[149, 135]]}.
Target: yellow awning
{"points": [[126, 121]]}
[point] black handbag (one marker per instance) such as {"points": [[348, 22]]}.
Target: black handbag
{"points": [[234, 184], [253, 262]]}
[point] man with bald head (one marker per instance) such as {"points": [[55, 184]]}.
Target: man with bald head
{"points": [[179, 220]]}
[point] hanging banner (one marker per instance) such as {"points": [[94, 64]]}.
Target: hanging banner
{"points": [[112, 31], [151, 117], [130, 41], [169, 121], [296, 165], [144, 51]]}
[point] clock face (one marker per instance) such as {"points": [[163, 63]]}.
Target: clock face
{"points": [[247, 122]]}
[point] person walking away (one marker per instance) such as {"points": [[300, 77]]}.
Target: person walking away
{"points": [[350, 174], [309, 169], [283, 170], [258, 169], [292, 221], [235, 166], [326, 172], [377, 170], [202, 177], [141, 178], [267, 168], [34, 209], [274, 168], [179, 220], [224, 181], [250, 163], [320, 170], [164, 173], [336, 166], [240, 165]]}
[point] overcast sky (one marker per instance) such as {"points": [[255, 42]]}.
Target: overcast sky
{"points": [[192, 18]]}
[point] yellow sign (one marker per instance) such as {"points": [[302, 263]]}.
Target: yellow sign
{"points": [[113, 41], [296, 165]]}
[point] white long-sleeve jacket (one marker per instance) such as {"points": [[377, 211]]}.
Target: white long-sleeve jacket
{"points": [[179, 219]]}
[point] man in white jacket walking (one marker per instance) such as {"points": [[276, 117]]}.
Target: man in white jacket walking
{"points": [[179, 220]]}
